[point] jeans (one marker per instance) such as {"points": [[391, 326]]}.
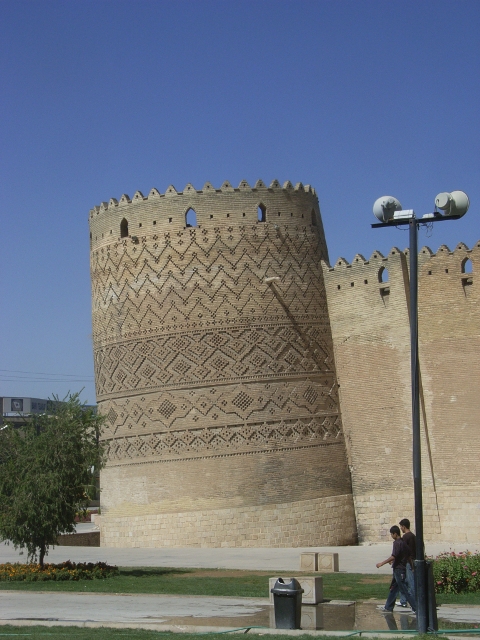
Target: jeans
{"points": [[399, 583], [410, 577]]}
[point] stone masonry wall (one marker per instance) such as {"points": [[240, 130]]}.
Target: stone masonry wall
{"points": [[272, 526], [214, 366], [368, 307]]}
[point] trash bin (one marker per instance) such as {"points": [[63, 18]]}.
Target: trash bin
{"points": [[287, 604]]}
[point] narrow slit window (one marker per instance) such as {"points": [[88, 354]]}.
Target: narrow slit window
{"points": [[262, 212], [191, 218], [314, 218], [124, 228], [383, 275]]}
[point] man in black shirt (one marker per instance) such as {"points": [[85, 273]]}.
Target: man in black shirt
{"points": [[409, 538], [399, 559]]}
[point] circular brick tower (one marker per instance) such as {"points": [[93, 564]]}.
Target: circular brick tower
{"points": [[214, 368]]}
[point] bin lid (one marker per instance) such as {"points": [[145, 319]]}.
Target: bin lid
{"points": [[289, 588]]}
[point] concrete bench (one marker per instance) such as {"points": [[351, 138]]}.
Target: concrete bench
{"points": [[315, 561]]}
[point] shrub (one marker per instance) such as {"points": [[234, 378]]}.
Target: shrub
{"points": [[457, 572], [47, 474], [64, 571]]}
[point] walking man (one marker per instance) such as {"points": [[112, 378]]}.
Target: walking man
{"points": [[409, 538], [399, 559]]}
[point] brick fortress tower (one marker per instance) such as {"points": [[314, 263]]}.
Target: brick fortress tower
{"points": [[214, 366]]}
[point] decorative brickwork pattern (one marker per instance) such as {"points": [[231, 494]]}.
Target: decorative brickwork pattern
{"points": [[235, 438], [227, 405], [211, 356], [214, 340]]}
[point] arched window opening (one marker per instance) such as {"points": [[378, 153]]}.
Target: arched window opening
{"points": [[383, 275], [124, 228], [262, 212], [314, 218], [467, 266], [191, 218]]}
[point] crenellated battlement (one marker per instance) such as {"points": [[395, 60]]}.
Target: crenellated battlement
{"points": [[381, 282], [208, 188], [427, 259], [174, 210]]}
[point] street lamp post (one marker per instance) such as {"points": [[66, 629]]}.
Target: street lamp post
{"points": [[389, 211]]}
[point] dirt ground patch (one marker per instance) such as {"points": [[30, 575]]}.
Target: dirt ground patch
{"points": [[224, 573], [239, 573], [380, 580]]}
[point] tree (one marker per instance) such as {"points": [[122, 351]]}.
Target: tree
{"points": [[47, 474]]}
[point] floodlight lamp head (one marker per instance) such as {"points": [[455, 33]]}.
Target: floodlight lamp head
{"points": [[385, 207], [455, 203]]}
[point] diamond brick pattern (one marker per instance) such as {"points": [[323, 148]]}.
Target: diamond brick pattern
{"points": [[236, 439], [225, 405], [236, 357]]}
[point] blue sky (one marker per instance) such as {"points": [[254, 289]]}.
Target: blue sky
{"points": [[99, 98]]}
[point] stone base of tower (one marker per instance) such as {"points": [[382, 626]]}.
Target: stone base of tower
{"points": [[451, 514], [319, 522]]}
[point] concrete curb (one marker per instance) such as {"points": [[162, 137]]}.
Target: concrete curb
{"points": [[201, 629]]}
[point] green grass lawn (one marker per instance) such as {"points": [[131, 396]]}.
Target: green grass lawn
{"points": [[104, 633], [219, 582]]}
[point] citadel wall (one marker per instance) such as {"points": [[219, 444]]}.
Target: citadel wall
{"points": [[214, 366], [369, 314]]}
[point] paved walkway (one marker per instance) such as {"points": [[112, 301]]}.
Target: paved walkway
{"points": [[201, 613], [360, 559], [90, 607]]}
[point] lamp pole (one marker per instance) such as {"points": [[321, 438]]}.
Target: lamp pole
{"points": [[420, 574], [390, 211]]}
